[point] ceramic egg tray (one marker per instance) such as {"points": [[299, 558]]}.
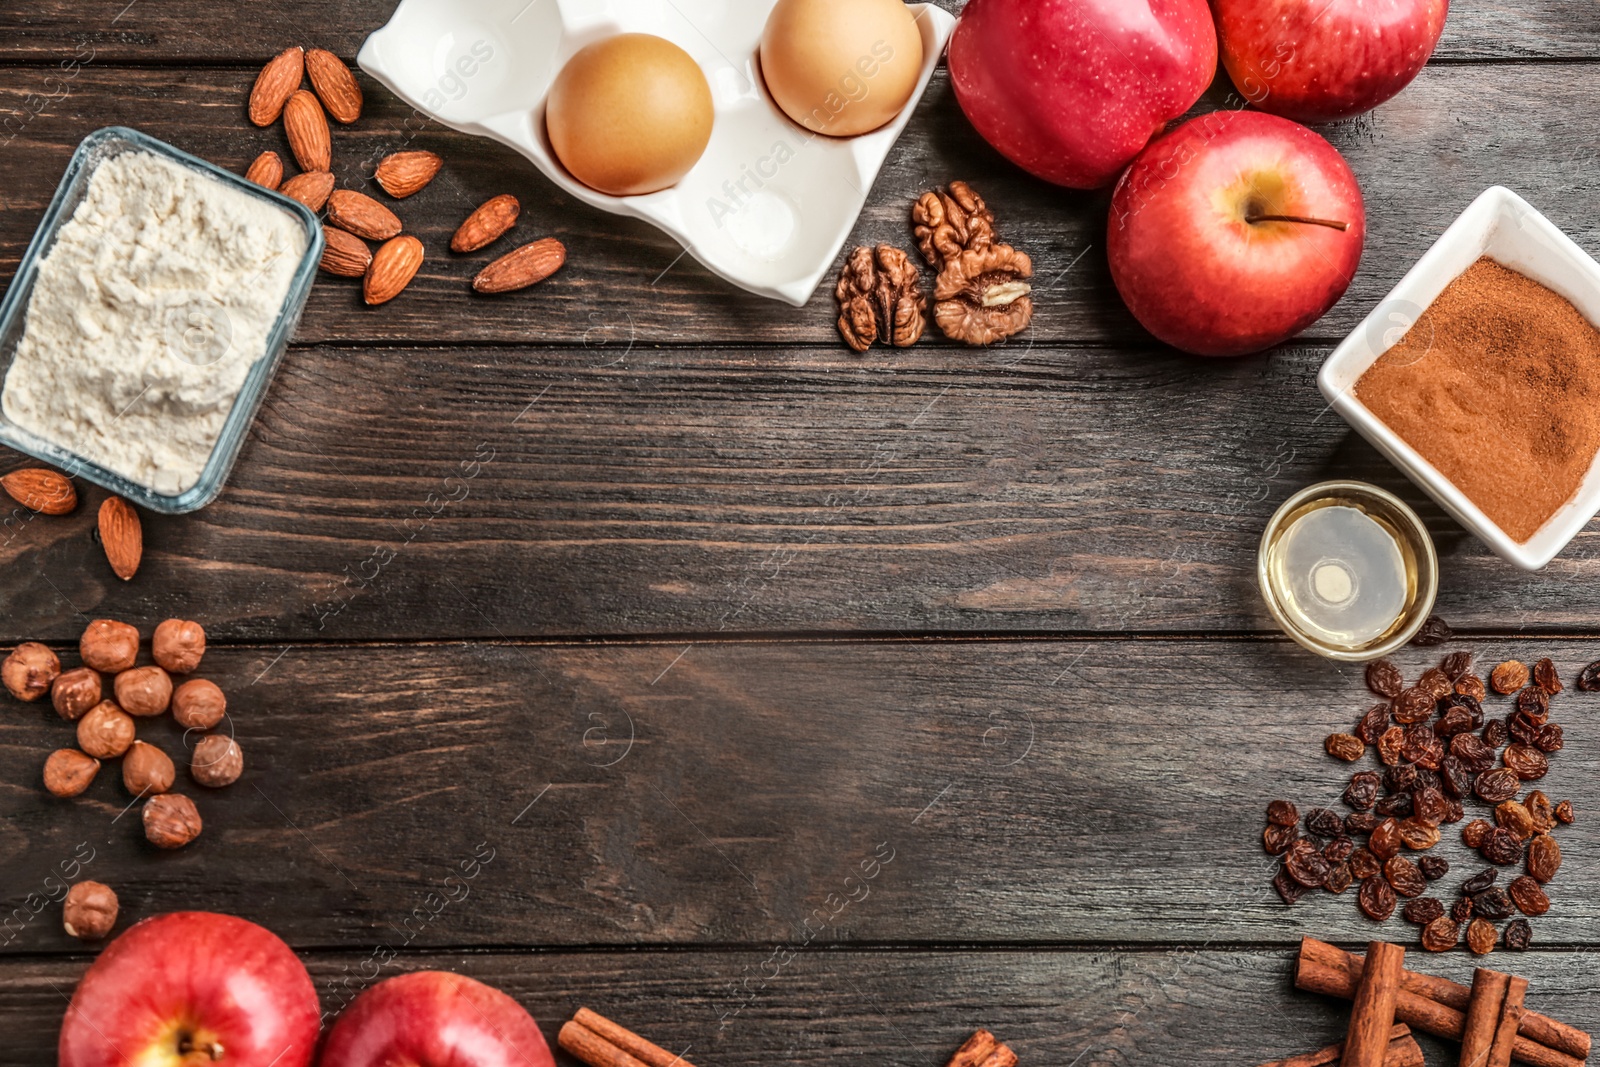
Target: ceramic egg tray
{"points": [[769, 204]]}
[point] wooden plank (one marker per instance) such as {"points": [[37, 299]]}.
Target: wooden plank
{"points": [[1094, 792], [162, 33], [1204, 1006], [1421, 159], [670, 491]]}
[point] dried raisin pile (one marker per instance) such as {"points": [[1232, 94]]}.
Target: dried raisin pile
{"points": [[1437, 750]]}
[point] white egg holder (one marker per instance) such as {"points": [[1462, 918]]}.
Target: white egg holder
{"points": [[768, 206]]}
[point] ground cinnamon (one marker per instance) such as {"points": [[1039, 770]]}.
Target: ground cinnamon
{"points": [[1497, 385]]}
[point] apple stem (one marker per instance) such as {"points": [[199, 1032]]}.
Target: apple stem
{"points": [[1252, 219], [212, 1049]]}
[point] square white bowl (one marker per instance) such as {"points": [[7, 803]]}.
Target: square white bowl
{"points": [[1503, 226], [769, 204]]}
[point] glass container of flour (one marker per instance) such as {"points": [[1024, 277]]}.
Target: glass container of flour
{"points": [[1348, 570], [148, 317]]}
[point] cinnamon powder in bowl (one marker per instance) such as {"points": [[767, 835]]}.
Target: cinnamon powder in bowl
{"points": [[1497, 385]]}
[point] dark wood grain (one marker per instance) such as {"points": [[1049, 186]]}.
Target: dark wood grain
{"points": [[1076, 793], [1421, 159], [149, 32]]}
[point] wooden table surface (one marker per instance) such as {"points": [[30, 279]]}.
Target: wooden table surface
{"points": [[730, 619]]}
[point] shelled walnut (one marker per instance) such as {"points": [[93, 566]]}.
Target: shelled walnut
{"points": [[880, 299], [982, 292], [949, 222]]}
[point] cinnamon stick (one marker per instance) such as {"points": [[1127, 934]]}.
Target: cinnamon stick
{"points": [[1430, 1005], [1483, 1016], [1511, 1016], [627, 1041], [1403, 1052], [1372, 1011], [983, 1049], [593, 1049]]}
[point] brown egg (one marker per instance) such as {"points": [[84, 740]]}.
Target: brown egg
{"points": [[630, 114], [841, 67]]}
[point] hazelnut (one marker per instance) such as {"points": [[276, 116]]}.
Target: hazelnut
{"points": [[144, 691], [68, 772], [146, 770], [198, 704], [75, 692], [106, 731], [109, 646], [171, 820], [217, 761], [29, 671], [90, 911], [178, 645]]}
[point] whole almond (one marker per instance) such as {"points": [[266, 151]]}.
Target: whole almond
{"points": [[362, 215], [122, 536], [307, 129], [275, 84], [404, 173], [344, 254], [266, 171], [334, 84], [310, 189], [486, 225], [39, 489], [393, 266], [528, 265]]}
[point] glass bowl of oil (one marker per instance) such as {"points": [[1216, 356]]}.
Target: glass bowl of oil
{"points": [[1348, 570]]}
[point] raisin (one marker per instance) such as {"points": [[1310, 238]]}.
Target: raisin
{"points": [[1401, 778], [1282, 813], [1422, 747], [1338, 850], [1550, 737], [1544, 858], [1376, 899], [1455, 777], [1324, 823], [1474, 833], [1495, 733], [1364, 865], [1455, 812], [1493, 903], [1347, 747], [1475, 754], [1519, 935], [1389, 745], [1436, 682], [1362, 822], [1305, 864], [1534, 703], [1546, 677], [1290, 890], [1457, 720], [1526, 762], [1422, 911], [1397, 804], [1564, 812], [1339, 878], [1277, 839], [1418, 834], [1456, 664], [1481, 936], [1404, 876], [1434, 867], [1385, 840], [1414, 705], [1441, 935], [1470, 685], [1541, 812], [1384, 678], [1501, 847], [1529, 896], [1461, 910], [1494, 786], [1516, 818], [1523, 730], [1373, 724], [1434, 631], [1589, 678], [1480, 881], [1362, 792], [1428, 804], [1427, 779], [1509, 676]]}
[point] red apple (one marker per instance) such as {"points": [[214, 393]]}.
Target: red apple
{"points": [[192, 988], [435, 1019], [1071, 90], [1322, 60], [1234, 232]]}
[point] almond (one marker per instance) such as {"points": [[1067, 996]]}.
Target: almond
{"points": [[307, 129], [528, 265], [266, 171], [362, 215], [39, 489], [275, 84], [345, 254], [121, 536], [392, 268], [486, 225], [310, 189], [334, 84], [404, 173]]}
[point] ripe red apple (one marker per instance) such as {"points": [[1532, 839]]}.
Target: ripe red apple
{"points": [[435, 1019], [1234, 232], [1323, 60], [192, 988], [1071, 90]]}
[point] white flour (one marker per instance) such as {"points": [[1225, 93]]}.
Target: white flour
{"points": [[146, 317]]}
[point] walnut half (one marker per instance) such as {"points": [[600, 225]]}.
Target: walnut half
{"points": [[880, 299], [982, 295], [950, 222]]}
